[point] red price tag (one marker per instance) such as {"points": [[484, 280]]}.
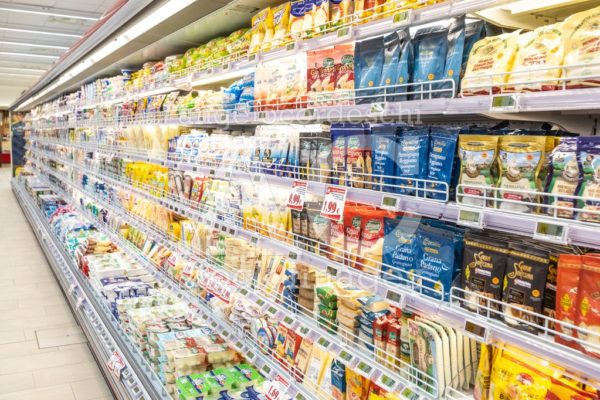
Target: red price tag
{"points": [[333, 204], [116, 364], [277, 389], [297, 195]]}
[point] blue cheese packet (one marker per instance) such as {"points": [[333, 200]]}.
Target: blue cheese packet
{"points": [[411, 160], [383, 149], [435, 261], [442, 152], [368, 64]]}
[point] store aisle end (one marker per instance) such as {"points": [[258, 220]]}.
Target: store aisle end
{"points": [[43, 353]]}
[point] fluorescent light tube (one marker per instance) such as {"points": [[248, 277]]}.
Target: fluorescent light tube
{"points": [[3, 28], [48, 13], [43, 46], [8, 53]]}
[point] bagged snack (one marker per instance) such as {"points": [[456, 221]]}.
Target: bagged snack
{"points": [[336, 241], [309, 18], [391, 57], [477, 155], [589, 157], [383, 150], [338, 380], [281, 22], [520, 159], [368, 64], [483, 266], [344, 73], [327, 75], [491, 55], [352, 228], [411, 160], [430, 47], [313, 81], [542, 48], [442, 149], [563, 177], [582, 34], [405, 65], [524, 284], [588, 305], [340, 12], [474, 31], [371, 241], [567, 286]]}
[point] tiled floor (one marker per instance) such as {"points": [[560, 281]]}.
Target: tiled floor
{"points": [[43, 353]]}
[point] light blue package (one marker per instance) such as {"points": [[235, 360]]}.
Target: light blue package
{"points": [[454, 56], [435, 261], [442, 151], [368, 64], [399, 249], [383, 150], [430, 46], [458, 235], [405, 65], [391, 56], [474, 32], [411, 159]]}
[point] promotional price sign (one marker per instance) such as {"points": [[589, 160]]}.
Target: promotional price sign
{"points": [[116, 365], [297, 195], [277, 389], [333, 204]]}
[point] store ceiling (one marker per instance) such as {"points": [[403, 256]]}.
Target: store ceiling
{"points": [[31, 40]]}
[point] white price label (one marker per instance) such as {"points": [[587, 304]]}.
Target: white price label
{"points": [[551, 232], [333, 203], [505, 103], [277, 389], [471, 218], [116, 364], [476, 331], [297, 195], [377, 108], [391, 203]]}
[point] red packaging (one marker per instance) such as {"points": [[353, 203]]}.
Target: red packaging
{"points": [[371, 241], [352, 228], [344, 73], [588, 310], [392, 348], [313, 80], [327, 76], [567, 284]]}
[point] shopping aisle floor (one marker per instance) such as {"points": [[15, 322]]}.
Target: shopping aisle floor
{"points": [[43, 353]]}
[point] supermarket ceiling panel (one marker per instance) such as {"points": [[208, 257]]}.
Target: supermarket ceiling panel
{"points": [[35, 34]]}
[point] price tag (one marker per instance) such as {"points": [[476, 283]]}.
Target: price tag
{"points": [[297, 195], [403, 17], [211, 173], [332, 271], [239, 345], [345, 356], [323, 342], [250, 356], [293, 255], [551, 232], [377, 108], [386, 382], [304, 331], [291, 46], [79, 302], [476, 331], [505, 103], [254, 239], [309, 112], [345, 31], [225, 334], [277, 389], [390, 203], [116, 365], [394, 297], [252, 57], [364, 367], [244, 292], [288, 321], [299, 396], [470, 217], [262, 115], [272, 310], [260, 302], [266, 370], [227, 174], [333, 203], [257, 178]]}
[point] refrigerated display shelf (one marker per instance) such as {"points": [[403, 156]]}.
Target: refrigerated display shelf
{"points": [[274, 309], [137, 381], [482, 215], [454, 315]]}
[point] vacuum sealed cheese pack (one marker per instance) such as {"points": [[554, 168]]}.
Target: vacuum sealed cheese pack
{"points": [[426, 356], [582, 48], [491, 55]]}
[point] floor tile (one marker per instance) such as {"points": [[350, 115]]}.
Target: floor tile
{"points": [[90, 389], [59, 337], [57, 392], [66, 374], [16, 382]]}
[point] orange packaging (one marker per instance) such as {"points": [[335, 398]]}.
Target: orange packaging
{"points": [[327, 75], [343, 56], [588, 310], [371, 241], [313, 80], [567, 284]]}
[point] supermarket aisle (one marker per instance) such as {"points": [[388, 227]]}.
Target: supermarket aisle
{"points": [[43, 353]]}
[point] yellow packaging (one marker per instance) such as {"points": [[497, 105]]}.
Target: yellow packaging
{"points": [[541, 48], [356, 386], [520, 159], [297, 14], [582, 47], [321, 17], [259, 28], [303, 356], [340, 13], [482, 378], [281, 21], [491, 55], [319, 362]]}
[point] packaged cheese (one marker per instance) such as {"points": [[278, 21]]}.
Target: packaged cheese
{"points": [[491, 55], [426, 356], [281, 21], [582, 47], [341, 12], [588, 311], [567, 285], [296, 23], [260, 22], [541, 48]]}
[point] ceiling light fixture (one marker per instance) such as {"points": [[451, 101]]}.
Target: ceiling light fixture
{"points": [[42, 46], [22, 75], [23, 69], [3, 28], [8, 53], [48, 13]]}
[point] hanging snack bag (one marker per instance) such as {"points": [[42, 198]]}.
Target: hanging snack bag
{"points": [[442, 149], [383, 149], [391, 57], [405, 65], [589, 158], [358, 156], [281, 21], [483, 267], [344, 73], [411, 160], [309, 18], [582, 37], [588, 307], [567, 286], [368, 64], [321, 16], [313, 81], [542, 48], [327, 75], [524, 284], [563, 177], [520, 159], [477, 155], [430, 47], [340, 12], [491, 55]]}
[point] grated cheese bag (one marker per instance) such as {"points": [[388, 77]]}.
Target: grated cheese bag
{"points": [[491, 55], [281, 18], [541, 48], [259, 26], [582, 47]]}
